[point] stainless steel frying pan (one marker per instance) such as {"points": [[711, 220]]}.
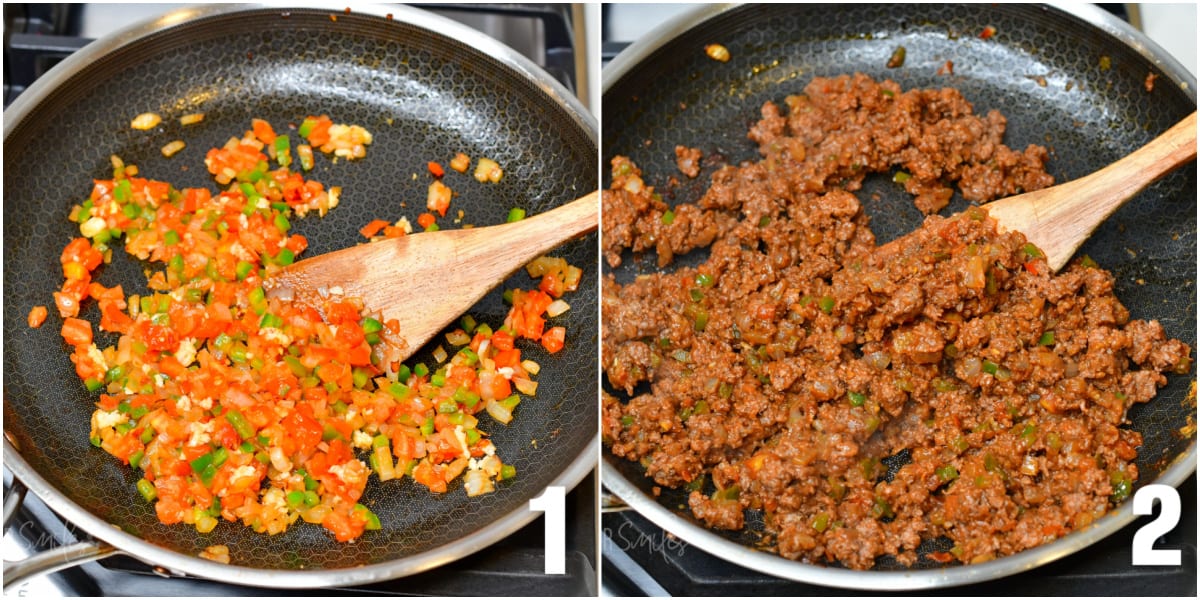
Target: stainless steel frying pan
{"points": [[427, 88], [1070, 77]]}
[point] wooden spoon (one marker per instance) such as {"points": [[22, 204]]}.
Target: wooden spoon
{"points": [[427, 280], [1059, 219]]}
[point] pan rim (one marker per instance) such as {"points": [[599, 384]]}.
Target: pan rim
{"points": [[893, 581], [436, 24], [915, 579], [173, 560], [659, 36]]}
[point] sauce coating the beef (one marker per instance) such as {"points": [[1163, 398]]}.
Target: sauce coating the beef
{"points": [[798, 356]]}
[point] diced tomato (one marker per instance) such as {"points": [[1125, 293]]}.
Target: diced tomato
{"points": [[430, 476], [194, 198], [438, 197], [370, 229], [525, 318], [67, 305], [436, 170], [297, 243], [304, 430], [359, 355], [85, 367], [508, 358], [404, 447], [350, 333], [502, 340], [172, 504], [170, 366], [426, 219], [333, 372], [344, 526], [80, 250], [319, 135], [160, 338], [492, 386], [126, 445], [77, 332], [553, 339], [263, 130], [37, 316], [552, 283], [112, 318], [224, 434]]}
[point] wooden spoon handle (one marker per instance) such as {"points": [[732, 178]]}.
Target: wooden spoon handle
{"points": [[1059, 219], [498, 250]]}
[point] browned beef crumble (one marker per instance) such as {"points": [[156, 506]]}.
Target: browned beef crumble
{"points": [[688, 160]]}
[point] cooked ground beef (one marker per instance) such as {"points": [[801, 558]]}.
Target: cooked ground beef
{"points": [[787, 366], [688, 160]]}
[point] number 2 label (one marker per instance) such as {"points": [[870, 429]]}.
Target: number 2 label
{"points": [[1144, 552], [552, 504]]}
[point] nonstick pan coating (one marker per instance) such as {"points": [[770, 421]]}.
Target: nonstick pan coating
{"points": [[426, 88], [1062, 81]]}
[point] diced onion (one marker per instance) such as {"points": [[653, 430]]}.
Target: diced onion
{"points": [[498, 412], [146, 121], [487, 170], [491, 465], [557, 307], [191, 119], [172, 148], [316, 514], [92, 227], [477, 484], [205, 523], [219, 553], [531, 367], [282, 292], [279, 460], [717, 52], [383, 457], [1029, 466], [525, 386], [971, 367]]}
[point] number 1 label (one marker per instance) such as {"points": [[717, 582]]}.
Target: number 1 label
{"points": [[553, 505], [1144, 552]]}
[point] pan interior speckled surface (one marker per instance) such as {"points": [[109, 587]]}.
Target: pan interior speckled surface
{"points": [[1042, 70], [424, 97]]}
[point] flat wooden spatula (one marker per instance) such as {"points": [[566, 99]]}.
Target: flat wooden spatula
{"points": [[1059, 219], [427, 280]]}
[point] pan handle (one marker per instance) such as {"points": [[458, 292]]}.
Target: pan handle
{"points": [[47, 561], [55, 559], [610, 502]]}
